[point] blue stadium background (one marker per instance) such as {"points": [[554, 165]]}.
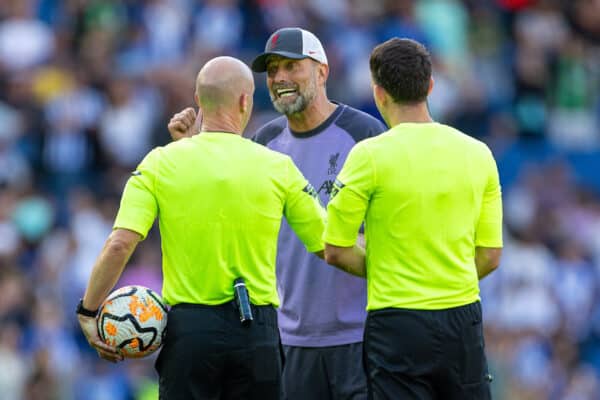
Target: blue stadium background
{"points": [[87, 88]]}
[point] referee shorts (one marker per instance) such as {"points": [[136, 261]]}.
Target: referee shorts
{"points": [[208, 354], [426, 355]]}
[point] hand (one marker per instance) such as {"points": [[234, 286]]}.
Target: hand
{"points": [[185, 123], [90, 330]]}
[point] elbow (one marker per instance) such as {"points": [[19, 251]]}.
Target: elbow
{"points": [[119, 246], [495, 259], [494, 265], [332, 257]]}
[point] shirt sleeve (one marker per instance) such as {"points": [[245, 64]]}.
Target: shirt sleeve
{"points": [[139, 207], [489, 225], [349, 198], [303, 211]]}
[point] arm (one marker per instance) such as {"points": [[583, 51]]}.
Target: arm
{"points": [[106, 272], [108, 267], [344, 245], [348, 259], [488, 232], [487, 260]]}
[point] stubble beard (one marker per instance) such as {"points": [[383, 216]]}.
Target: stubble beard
{"points": [[297, 106]]}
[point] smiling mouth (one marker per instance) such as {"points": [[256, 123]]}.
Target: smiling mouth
{"points": [[283, 93]]}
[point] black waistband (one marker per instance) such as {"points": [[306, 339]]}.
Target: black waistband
{"points": [[262, 314], [216, 306]]}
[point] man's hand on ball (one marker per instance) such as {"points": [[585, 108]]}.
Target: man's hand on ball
{"points": [[90, 330]]}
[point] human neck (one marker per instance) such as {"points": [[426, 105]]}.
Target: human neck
{"points": [[221, 122], [314, 115], [398, 114]]}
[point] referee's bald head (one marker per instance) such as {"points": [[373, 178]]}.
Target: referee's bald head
{"points": [[221, 82]]}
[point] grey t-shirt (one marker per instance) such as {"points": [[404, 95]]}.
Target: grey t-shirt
{"points": [[320, 305]]}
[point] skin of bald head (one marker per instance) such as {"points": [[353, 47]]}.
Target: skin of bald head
{"points": [[224, 92]]}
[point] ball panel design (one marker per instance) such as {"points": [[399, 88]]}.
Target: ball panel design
{"points": [[133, 319]]}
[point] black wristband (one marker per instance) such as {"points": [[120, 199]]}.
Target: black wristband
{"points": [[84, 311]]}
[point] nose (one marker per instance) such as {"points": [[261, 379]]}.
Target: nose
{"points": [[279, 75]]}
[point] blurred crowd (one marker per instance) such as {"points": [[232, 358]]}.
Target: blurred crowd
{"points": [[87, 88]]}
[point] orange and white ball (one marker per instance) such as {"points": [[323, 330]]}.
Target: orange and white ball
{"points": [[133, 319]]}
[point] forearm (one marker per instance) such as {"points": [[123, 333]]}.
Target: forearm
{"points": [[486, 261], [108, 268], [348, 259], [484, 270]]}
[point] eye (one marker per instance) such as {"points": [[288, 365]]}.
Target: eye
{"points": [[271, 70]]}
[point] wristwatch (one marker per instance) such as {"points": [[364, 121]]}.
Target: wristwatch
{"points": [[84, 311]]}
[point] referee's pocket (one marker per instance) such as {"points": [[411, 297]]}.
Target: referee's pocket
{"points": [[473, 357]]}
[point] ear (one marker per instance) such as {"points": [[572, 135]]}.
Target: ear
{"points": [[431, 82], [322, 73], [379, 94], [243, 103], [196, 99]]}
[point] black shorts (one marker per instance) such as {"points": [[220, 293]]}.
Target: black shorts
{"points": [[208, 354], [324, 373], [426, 355]]}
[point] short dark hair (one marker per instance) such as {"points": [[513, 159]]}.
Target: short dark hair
{"points": [[403, 68]]}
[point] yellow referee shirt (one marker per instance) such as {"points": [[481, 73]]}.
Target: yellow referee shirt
{"points": [[219, 199], [429, 195]]}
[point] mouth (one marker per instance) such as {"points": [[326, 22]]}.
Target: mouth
{"points": [[285, 92]]}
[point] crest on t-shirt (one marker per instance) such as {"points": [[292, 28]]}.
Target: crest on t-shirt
{"points": [[333, 159]]}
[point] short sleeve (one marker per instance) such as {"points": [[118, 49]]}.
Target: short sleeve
{"points": [[489, 225], [302, 209], [139, 207], [350, 198]]}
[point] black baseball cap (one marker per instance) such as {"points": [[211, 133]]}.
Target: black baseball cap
{"points": [[293, 43]]}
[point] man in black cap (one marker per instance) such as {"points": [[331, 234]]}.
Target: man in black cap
{"points": [[322, 312]]}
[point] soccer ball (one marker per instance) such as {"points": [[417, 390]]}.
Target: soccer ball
{"points": [[133, 319]]}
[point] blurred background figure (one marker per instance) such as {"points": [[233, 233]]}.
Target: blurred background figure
{"points": [[87, 88]]}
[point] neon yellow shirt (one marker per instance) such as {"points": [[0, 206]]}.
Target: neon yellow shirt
{"points": [[429, 195], [219, 199]]}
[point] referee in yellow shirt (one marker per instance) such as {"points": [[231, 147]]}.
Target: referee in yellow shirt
{"points": [[430, 198], [219, 199]]}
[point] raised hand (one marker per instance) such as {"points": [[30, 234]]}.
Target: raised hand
{"points": [[185, 123]]}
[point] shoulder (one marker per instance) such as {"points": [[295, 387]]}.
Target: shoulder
{"points": [[477, 148], [270, 130], [359, 124], [475, 144]]}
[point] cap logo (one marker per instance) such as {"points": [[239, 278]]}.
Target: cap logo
{"points": [[274, 40]]}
